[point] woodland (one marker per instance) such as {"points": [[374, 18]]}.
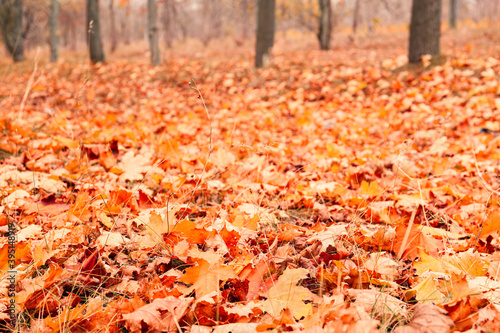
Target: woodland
{"points": [[346, 189]]}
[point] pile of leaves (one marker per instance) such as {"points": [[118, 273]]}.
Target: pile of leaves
{"points": [[319, 193]]}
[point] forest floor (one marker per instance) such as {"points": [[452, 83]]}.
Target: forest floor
{"points": [[333, 191]]}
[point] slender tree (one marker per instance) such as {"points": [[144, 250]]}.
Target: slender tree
{"points": [[168, 17], [424, 29], [207, 31], [11, 24], [453, 14], [55, 31], [265, 32], [124, 24], [211, 21], [94, 31], [355, 17], [112, 23], [245, 19], [325, 24], [154, 47]]}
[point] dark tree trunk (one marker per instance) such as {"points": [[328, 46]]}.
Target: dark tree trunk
{"points": [[265, 32], [112, 22], [55, 31], [154, 48], [453, 14], [325, 24], [355, 17], [94, 31], [424, 29], [11, 22]]}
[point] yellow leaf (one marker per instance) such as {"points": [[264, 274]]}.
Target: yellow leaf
{"points": [[105, 219], [428, 263], [333, 150], [65, 318], [382, 264], [440, 233], [158, 221], [491, 225], [409, 202], [371, 189], [67, 142], [469, 262], [156, 226], [112, 239], [205, 278], [285, 294], [427, 291]]}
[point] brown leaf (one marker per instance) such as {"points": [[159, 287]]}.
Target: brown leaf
{"points": [[427, 318], [162, 314]]}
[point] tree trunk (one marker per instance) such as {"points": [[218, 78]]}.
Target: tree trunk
{"points": [[453, 14], [370, 11], [125, 36], [73, 38], [168, 15], [207, 26], [153, 33], [11, 22], [94, 26], [212, 22], [112, 22], [265, 32], [424, 29], [55, 31], [216, 12], [325, 24], [355, 17], [245, 20]]}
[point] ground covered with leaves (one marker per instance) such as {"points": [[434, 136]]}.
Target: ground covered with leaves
{"points": [[328, 192]]}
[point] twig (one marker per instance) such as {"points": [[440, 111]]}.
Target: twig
{"points": [[192, 85], [31, 83], [407, 234]]}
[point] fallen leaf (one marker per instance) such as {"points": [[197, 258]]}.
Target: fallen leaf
{"points": [[427, 318], [286, 294], [161, 314]]}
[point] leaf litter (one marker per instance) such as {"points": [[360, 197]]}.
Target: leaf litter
{"points": [[324, 196]]}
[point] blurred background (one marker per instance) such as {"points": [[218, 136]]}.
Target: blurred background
{"points": [[200, 26]]}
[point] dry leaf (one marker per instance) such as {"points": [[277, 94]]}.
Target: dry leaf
{"points": [[427, 318], [161, 314], [286, 294]]}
